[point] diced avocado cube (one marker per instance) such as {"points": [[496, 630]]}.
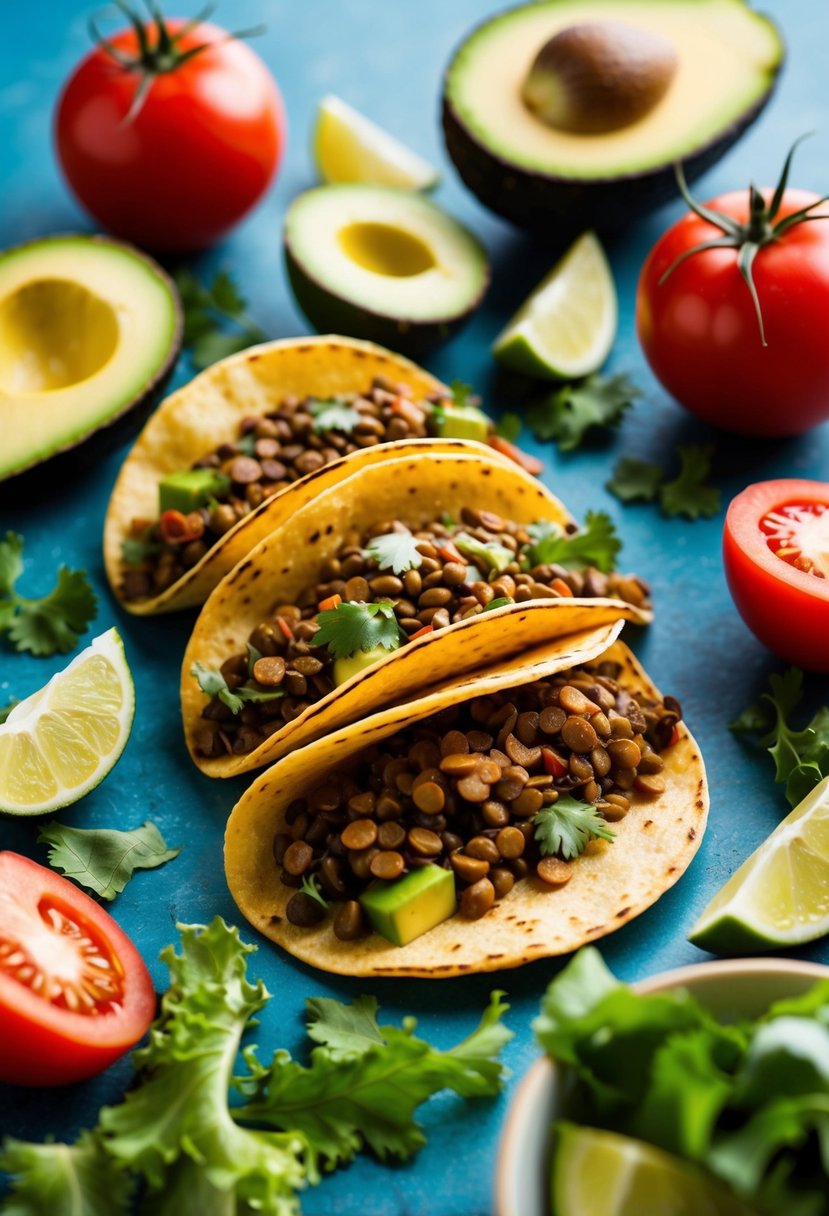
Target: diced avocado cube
{"points": [[463, 422], [344, 669], [190, 489], [404, 909]]}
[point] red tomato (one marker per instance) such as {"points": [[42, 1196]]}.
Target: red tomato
{"points": [[74, 992], [700, 331], [198, 152], [776, 554]]}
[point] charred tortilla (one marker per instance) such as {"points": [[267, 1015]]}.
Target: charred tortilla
{"points": [[611, 883]]}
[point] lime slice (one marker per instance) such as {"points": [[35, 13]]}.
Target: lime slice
{"points": [[62, 740], [566, 328], [348, 147], [780, 895], [604, 1174]]}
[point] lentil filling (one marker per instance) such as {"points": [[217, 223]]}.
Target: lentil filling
{"points": [[392, 585], [498, 789], [269, 453]]}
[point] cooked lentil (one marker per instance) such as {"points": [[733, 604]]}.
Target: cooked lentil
{"points": [[374, 823], [353, 575]]}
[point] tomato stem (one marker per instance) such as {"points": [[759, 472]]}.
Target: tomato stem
{"points": [[749, 238], [159, 49]]}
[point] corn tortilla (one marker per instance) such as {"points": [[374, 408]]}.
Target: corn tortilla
{"points": [[413, 489], [611, 884], [207, 412]]}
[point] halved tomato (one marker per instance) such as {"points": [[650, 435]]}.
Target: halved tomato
{"points": [[74, 991], [776, 555]]}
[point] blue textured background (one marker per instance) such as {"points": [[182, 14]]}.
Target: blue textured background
{"points": [[387, 59]]}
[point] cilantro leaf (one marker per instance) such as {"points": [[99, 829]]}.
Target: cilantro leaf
{"points": [[51, 1177], [207, 310], [309, 887], [346, 1100], [508, 427], [596, 545], [688, 494], [569, 414], [104, 859], [463, 395], [801, 757], [565, 827], [349, 628], [395, 551], [213, 684], [11, 562], [500, 601], [334, 416], [48, 625], [635, 480], [489, 555]]}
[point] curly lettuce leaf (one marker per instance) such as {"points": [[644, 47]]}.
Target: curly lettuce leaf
{"points": [[64, 1179]]}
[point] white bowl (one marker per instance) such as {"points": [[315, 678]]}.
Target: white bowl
{"points": [[741, 987]]}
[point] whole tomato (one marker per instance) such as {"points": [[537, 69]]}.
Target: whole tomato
{"points": [[169, 131], [757, 365]]}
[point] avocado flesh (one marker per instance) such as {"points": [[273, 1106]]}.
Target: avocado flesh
{"points": [[405, 909], [89, 330], [382, 264], [463, 422], [190, 489], [345, 668], [729, 60]]}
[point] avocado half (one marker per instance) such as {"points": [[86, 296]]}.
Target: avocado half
{"points": [[383, 264], [729, 58], [90, 330]]}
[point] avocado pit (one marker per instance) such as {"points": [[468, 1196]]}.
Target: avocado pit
{"points": [[599, 76]]}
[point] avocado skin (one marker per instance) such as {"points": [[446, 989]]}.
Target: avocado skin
{"points": [[332, 314], [538, 202], [80, 457]]}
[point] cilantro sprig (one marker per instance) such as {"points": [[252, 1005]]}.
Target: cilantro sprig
{"points": [[104, 859], [596, 544], [48, 625], [688, 494], [566, 827], [396, 551], [576, 411], [334, 415], [801, 757], [208, 311], [213, 684], [350, 628], [177, 1136]]}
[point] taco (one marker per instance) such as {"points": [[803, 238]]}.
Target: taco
{"points": [[501, 818], [387, 583], [199, 486]]}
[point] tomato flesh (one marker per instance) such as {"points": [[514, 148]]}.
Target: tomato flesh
{"points": [[776, 557], [74, 992]]}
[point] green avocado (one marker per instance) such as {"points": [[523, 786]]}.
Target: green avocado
{"points": [[90, 330], [726, 61], [463, 422], [383, 264], [408, 907], [345, 668], [190, 489]]}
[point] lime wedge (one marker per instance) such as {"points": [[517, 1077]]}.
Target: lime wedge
{"points": [[780, 895], [565, 329], [603, 1174], [62, 740], [348, 147]]}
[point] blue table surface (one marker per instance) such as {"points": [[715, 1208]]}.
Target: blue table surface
{"points": [[387, 59]]}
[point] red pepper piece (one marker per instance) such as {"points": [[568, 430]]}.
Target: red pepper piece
{"points": [[333, 601], [554, 766], [421, 632], [179, 529], [531, 464]]}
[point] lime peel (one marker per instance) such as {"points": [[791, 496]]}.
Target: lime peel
{"points": [[60, 742], [780, 895]]}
